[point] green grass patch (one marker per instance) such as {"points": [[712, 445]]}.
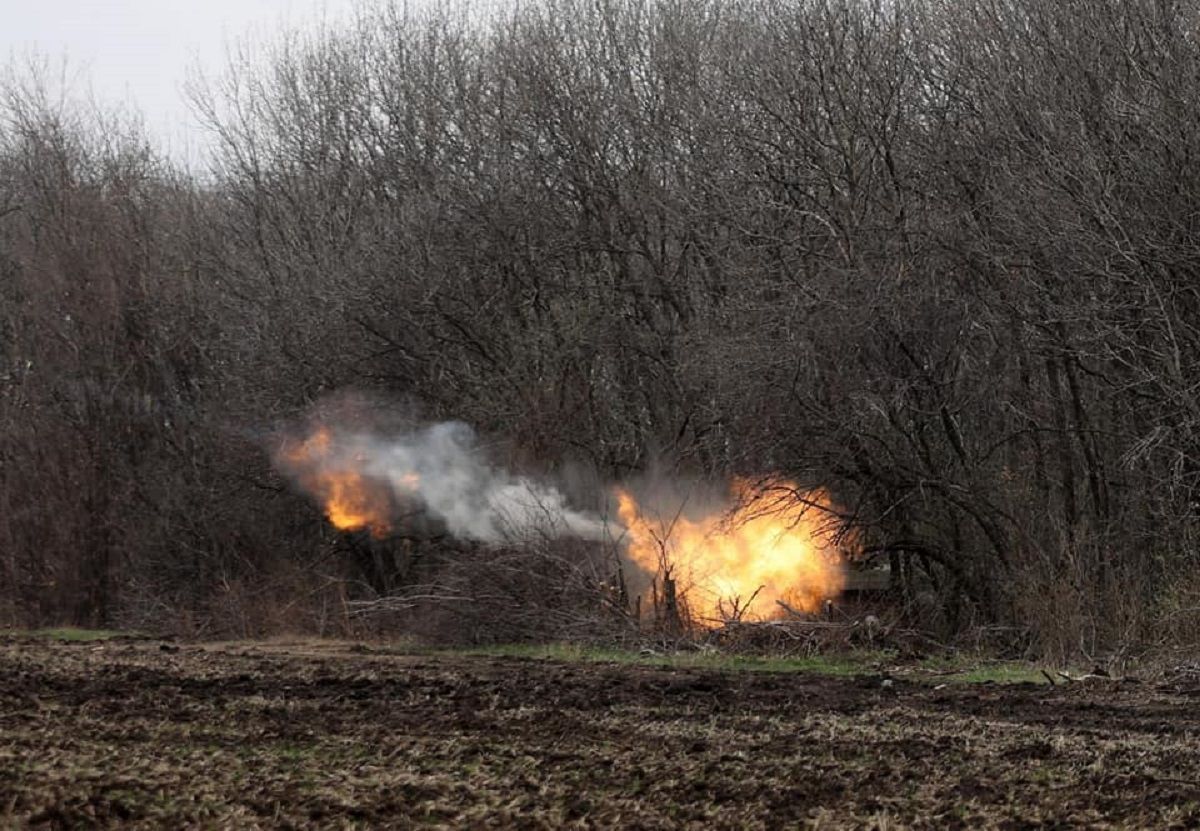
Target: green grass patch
{"points": [[847, 664], [977, 670], [74, 635], [1001, 674], [940, 670]]}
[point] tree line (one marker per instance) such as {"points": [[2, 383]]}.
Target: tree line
{"points": [[936, 256]]}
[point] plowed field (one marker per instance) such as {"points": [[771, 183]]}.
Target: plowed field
{"points": [[329, 735]]}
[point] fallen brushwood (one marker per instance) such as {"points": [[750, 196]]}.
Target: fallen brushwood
{"points": [[781, 636], [1096, 675]]}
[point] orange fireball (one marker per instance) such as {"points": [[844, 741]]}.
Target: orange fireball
{"points": [[331, 473], [769, 553]]}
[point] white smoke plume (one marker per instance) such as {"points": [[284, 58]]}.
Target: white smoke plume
{"points": [[440, 469]]}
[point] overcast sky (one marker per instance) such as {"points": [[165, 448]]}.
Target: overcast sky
{"points": [[140, 51]]}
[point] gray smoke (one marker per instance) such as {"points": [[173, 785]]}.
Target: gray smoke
{"points": [[442, 469]]}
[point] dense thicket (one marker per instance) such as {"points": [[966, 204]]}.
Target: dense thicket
{"points": [[938, 256]]}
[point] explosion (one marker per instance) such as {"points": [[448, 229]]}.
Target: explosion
{"points": [[333, 475], [370, 479], [768, 554]]}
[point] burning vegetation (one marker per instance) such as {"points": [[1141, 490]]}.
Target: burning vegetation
{"points": [[765, 553], [770, 554], [332, 474]]}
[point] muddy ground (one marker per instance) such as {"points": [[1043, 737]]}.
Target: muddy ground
{"points": [[328, 735]]}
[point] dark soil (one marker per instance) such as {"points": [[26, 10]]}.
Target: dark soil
{"points": [[332, 735]]}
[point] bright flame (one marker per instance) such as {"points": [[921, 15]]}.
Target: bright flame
{"points": [[331, 474], [767, 553]]}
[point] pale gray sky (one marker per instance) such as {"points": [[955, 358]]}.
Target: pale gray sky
{"points": [[141, 51]]}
